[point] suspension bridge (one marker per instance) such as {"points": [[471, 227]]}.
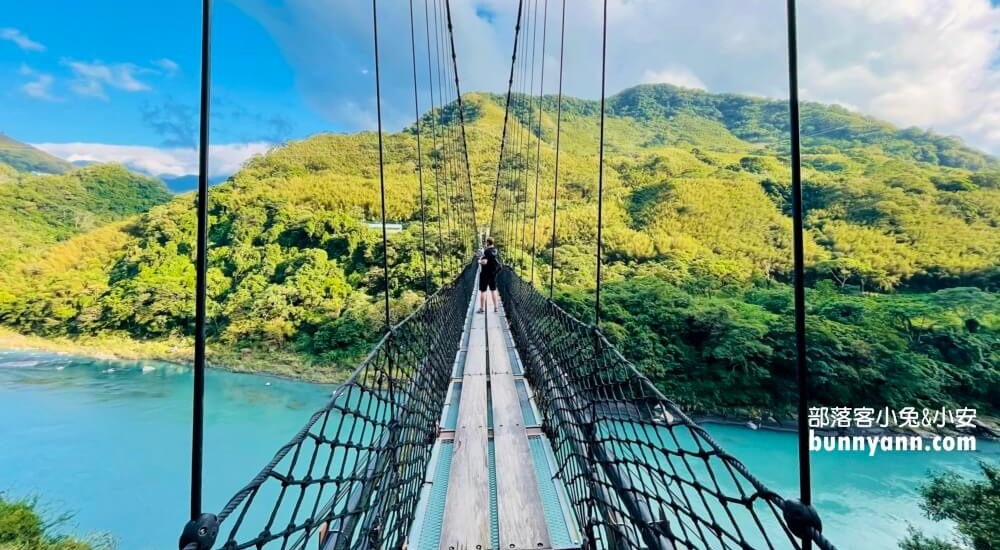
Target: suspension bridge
{"points": [[515, 428]]}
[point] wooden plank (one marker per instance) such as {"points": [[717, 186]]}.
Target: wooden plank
{"points": [[475, 359], [519, 504], [467, 508]]}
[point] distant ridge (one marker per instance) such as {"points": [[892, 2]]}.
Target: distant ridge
{"points": [[25, 158]]}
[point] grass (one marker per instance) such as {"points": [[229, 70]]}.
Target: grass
{"points": [[23, 527]]}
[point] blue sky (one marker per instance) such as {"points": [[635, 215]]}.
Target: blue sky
{"points": [[110, 80], [122, 73]]}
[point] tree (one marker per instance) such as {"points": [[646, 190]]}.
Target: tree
{"points": [[974, 506]]}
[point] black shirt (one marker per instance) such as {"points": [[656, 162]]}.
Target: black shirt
{"points": [[492, 256]]}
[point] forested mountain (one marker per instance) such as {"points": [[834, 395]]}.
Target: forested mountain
{"points": [[25, 158], [37, 210], [903, 241]]}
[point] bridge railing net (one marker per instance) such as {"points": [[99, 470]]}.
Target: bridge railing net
{"points": [[352, 476], [639, 473]]}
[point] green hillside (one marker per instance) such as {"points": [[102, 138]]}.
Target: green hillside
{"points": [[902, 244], [25, 158], [39, 210]]}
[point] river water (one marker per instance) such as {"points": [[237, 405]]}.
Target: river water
{"points": [[109, 442]]}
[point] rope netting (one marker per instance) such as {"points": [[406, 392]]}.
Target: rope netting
{"points": [[639, 472], [351, 478]]}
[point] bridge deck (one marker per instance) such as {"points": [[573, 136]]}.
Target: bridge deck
{"points": [[491, 483], [467, 507], [519, 507]]}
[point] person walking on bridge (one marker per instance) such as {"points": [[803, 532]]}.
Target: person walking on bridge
{"points": [[489, 259]]}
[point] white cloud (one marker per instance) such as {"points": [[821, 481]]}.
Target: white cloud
{"points": [[21, 39], [168, 66], [90, 79], [915, 62], [40, 85], [224, 159], [678, 76]]}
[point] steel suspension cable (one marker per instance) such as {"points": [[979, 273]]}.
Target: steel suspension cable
{"points": [[538, 151], [802, 367], [444, 156], [462, 210], [518, 129], [516, 134], [555, 185], [521, 183], [381, 164], [420, 155], [518, 137], [437, 191], [600, 167], [529, 131], [506, 115], [522, 214], [452, 139], [461, 121], [201, 266], [456, 186]]}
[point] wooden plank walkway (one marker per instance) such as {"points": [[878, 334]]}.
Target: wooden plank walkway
{"points": [[521, 517], [520, 514], [467, 508]]}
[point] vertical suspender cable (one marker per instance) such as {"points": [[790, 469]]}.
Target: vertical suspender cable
{"points": [[461, 121], [420, 156], [538, 151], [506, 115], [201, 265], [518, 137], [381, 164], [518, 134], [518, 102], [555, 185], [805, 486], [522, 216], [434, 135], [444, 160], [461, 223], [600, 168]]}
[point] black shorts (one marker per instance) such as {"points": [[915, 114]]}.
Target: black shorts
{"points": [[487, 280]]}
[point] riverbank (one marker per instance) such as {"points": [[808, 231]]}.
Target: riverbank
{"points": [[297, 367], [181, 352]]}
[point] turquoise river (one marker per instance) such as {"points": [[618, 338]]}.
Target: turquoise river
{"points": [[109, 442]]}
